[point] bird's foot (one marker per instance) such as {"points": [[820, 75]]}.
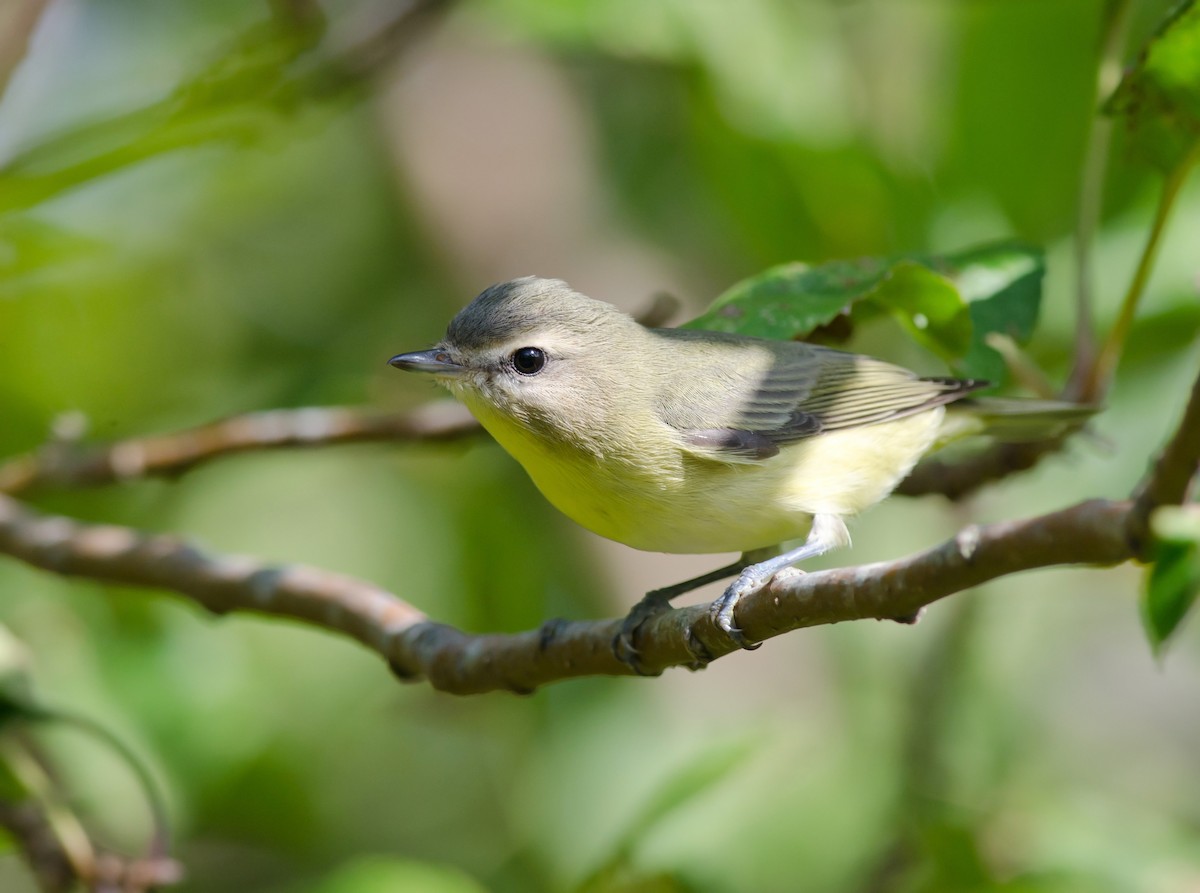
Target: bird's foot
{"points": [[622, 645], [721, 611], [550, 631]]}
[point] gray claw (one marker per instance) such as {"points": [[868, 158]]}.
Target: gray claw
{"points": [[722, 609], [549, 632], [623, 648], [702, 657]]}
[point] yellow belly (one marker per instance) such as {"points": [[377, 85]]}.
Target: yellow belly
{"points": [[666, 499]]}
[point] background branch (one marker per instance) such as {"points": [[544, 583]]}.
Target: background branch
{"points": [[69, 464], [18, 22], [1171, 476], [54, 843], [1091, 191], [958, 478]]}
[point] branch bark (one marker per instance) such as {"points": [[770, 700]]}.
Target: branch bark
{"points": [[60, 853], [1171, 476], [958, 479], [1092, 533], [68, 464]]}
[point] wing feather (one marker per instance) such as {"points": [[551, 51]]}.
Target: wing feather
{"points": [[777, 393]]}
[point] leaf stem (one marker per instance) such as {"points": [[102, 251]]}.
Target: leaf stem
{"points": [[1110, 354], [1091, 190]]}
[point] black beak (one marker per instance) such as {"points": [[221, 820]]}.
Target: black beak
{"points": [[434, 361]]}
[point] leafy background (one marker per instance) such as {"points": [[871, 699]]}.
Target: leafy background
{"points": [[201, 216]]}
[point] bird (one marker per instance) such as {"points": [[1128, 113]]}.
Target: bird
{"points": [[689, 441]]}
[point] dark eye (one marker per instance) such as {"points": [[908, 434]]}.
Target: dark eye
{"points": [[529, 360]]}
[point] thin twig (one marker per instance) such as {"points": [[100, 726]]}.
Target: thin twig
{"points": [[68, 464], [1091, 191], [53, 841], [958, 478], [1098, 383], [52, 857], [302, 14], [22, 19], [409, 21], [1024, 371], [1171, 476]]}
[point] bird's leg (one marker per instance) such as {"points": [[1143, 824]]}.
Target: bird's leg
{"points": [[828, 532], [659, 600]]}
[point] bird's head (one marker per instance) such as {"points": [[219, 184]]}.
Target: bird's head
{"points": [[535, 351]]}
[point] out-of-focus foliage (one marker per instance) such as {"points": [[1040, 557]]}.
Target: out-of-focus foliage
{"points": [[1160, 96], [1174, 579], [206, 211], [948, 304]]}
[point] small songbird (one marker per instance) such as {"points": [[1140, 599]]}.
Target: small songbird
{"points": [[673, 440]]}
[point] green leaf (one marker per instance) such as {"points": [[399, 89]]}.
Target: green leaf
{"points": [[239, 99], [1002, 284], [1173, 580], [928, 306], [791, 300], [704, 772], [32, 251], [627, 879], [393, 875], [1159, 97], [15, 683], [948, 303]]}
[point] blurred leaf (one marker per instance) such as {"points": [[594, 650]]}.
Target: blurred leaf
{"points": [[949, 303], [1173, 580], [32, 250], [1159, 97], [380, 875], [952, 857], [235, 99], [15, 684], [624, 878], [1159, 336], [693, 779]]}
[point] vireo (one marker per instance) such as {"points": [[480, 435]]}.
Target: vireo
{"points": [[673, 440]]}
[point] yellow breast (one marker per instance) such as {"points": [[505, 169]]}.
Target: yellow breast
{"points": [[661, 498]]}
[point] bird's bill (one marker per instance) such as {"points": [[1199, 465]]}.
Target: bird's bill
{"points": [[434, 361]]}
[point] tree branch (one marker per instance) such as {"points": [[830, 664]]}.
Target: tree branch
{"points": [[53, 841], [219, 583], [1091, 190], [1171, 477], [958, 478], [68, 464], [21, 19], [1091, 533]]}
